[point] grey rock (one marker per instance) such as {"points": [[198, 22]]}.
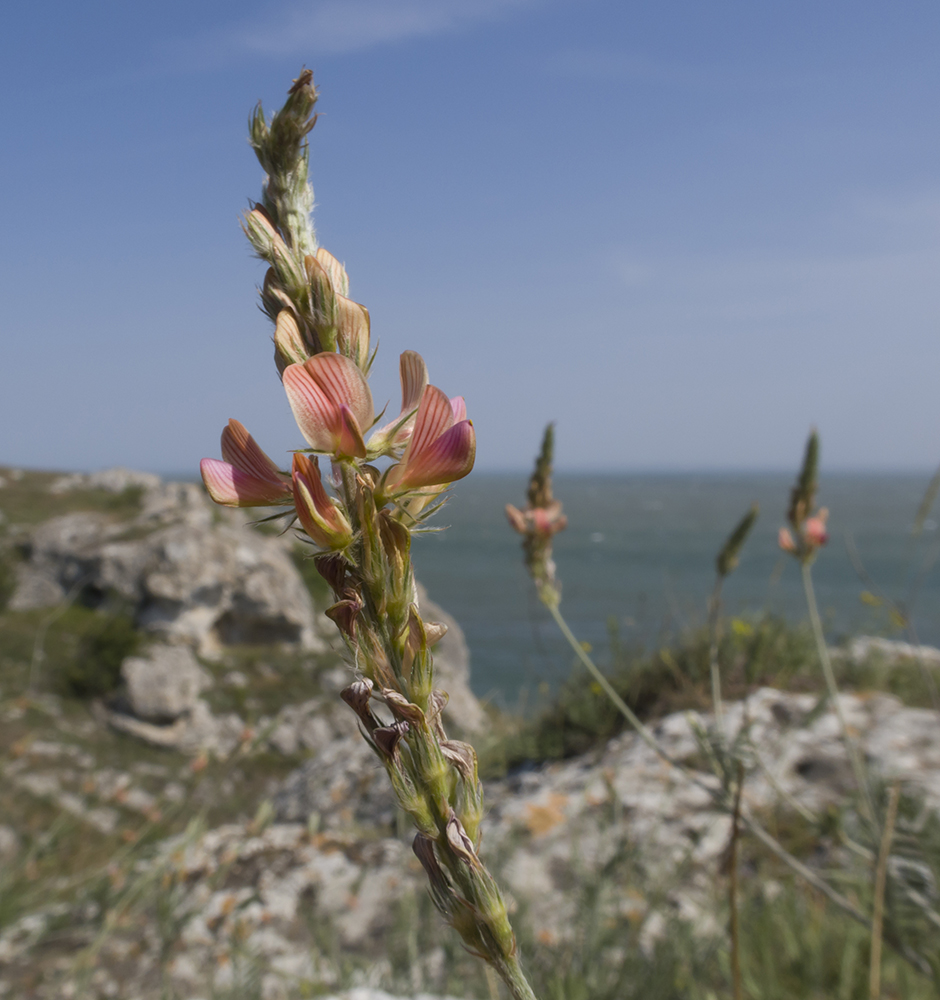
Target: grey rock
{"points": [[165, 683], [452, 669], [190, 572], [344, 786], [115, 480], [197, 731], [891, 651]]}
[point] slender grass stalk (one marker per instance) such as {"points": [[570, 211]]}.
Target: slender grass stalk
{"points": [[822, 649], [746, 819], [737, 989], [725, 563], [881, 873], [714, 612], [641, 729], [542, 518]]}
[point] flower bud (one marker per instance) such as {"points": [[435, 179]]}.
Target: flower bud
{"points": [[289, 346], [322, 518]]}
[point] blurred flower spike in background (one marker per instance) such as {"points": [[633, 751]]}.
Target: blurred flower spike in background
{"points": [[539, 521], [809, 532]]}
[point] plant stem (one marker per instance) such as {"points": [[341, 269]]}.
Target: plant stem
{"points": [[737, 992], [774, 846], [511, 974], [824, 660], [642, 731], [877, 920], [714, 607]]}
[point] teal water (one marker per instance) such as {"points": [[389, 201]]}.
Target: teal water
{"points": [[639, 550]]}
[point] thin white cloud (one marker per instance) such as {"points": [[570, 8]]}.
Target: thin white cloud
{"points": [[337, 26]]}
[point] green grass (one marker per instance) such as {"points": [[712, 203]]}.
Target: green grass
{"points": [[27, 500], [768, 652]]}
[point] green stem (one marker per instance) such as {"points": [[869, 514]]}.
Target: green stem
{"points": [[747, 820], [714, 606], [642, 731], [511, 974], [824, 660]]}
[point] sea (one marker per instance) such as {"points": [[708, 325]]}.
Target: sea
{"points": [[638, 560]]}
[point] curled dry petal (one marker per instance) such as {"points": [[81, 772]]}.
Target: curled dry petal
{"points": [[440, 451], [357, 697], [387, 738], [344, 614], [331, 402], [435, 631], [402, 708], [246, 477], [460, 843], [321, 518]]}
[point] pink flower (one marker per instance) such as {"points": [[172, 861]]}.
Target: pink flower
{"points": [[815, 529], [785, 540], [331, 402], [246, 477], [541, 521], [322, 519], [414, 380], [442, 447]]}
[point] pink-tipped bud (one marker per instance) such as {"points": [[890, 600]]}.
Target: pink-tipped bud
{"points": [[785, 540], [322, 519]]}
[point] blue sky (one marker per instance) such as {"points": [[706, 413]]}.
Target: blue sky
{"points": [[684, 231]]}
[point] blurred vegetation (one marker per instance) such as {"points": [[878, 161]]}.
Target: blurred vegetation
{"points": [[794, 945], [25, 498], [765, 652]]}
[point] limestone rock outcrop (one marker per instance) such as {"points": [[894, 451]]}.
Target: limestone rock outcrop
{"points": [[190, 572]]}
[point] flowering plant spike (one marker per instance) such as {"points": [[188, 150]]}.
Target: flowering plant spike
{"points": [[539, 521], [809, 532], [360, 538]]}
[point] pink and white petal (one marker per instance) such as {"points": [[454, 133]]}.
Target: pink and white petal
{"points": [[342, 381], [231, 487], [349, 442], [414, 379], [240, 449], [435, 416], [449, 458], [316, 414], [459, 407]]}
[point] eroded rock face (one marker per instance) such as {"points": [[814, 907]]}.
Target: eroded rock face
{"points": [[192, 573], [164, 684]]}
